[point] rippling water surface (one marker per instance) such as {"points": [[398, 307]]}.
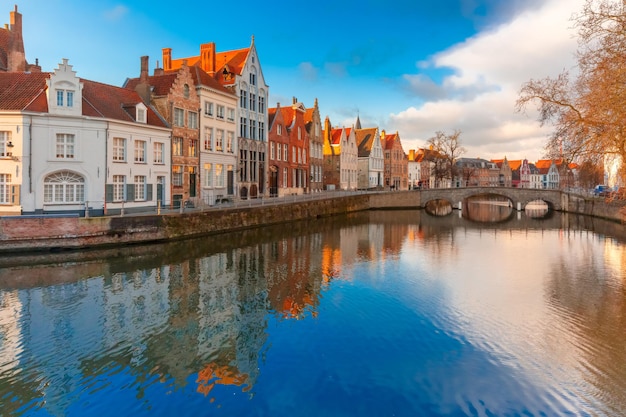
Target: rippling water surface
{"points": [[376, 314]]}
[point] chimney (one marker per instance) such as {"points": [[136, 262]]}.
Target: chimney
{"points": [[143, 88], [167, 59], [207, 57], [158, 70], [17, 57]]}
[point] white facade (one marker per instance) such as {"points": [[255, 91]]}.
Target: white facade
{"points": [[58, 153], [376, 164], [253, 95], [218, 144], [349, 160]]}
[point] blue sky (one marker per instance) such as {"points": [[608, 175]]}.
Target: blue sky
{"points": [[415, 67]]}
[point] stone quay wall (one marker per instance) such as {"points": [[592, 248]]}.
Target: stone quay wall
{"points": [[23, 234]]}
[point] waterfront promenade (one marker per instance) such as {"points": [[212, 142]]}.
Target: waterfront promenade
{"points": [[52, 233]]}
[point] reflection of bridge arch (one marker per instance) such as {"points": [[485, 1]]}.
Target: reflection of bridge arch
{"points": [[519, 197]]}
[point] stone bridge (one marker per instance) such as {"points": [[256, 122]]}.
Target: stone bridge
{"points": [[519, 197]]}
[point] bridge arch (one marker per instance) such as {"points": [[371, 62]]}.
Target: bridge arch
{"points": [[519, 197]]}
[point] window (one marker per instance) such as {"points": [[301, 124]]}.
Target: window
{"points": [[231, 114], [179, 117], [65, 146], [230, 139], [119, 149], [208, 138], [253, 102], [243, 99], [177, 146], [293, 156], [65, 98], [141, 115], [193, 147], [219, 140], [252, 129], [262, 131], [252, 78], [140, 188], [177, 175], [193, 120], [208, 108], [261, 104], [285, 176], [119, 187], [279, 129], [5, 139], [208, 175], [140, 151], [219, 175], [220, 112], [279, 151], [243, 127], [272, 151], [186, 90], [158, 148], [64, 187], [285, 152], [299, 133], [304, 156], [5, 188]]}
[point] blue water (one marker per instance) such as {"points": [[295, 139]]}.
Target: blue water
{"points": [[385, 315]]}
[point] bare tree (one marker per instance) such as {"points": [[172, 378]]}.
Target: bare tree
{"points": [[588, 109], [449, 147]]}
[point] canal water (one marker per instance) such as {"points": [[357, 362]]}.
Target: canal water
{"points": [[379, 313]]}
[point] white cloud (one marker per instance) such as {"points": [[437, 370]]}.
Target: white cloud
{"points": [[116, 13], [489, 69]]}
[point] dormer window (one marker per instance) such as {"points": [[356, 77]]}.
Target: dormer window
{"points": [[141, 115], [65, 98]]}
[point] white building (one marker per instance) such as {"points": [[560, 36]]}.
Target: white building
{"points": [[69, 144], [371, 162]]}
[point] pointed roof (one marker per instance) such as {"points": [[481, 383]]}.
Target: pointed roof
{"points": [[365, 140], [357, 125]]}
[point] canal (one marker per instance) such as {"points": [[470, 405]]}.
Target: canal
{"points": [[378, 313]]}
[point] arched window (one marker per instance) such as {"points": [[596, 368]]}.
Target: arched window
{"points": [[64, 187], [186, 90]]}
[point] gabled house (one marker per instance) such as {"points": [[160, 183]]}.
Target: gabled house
{"points": [[371, 162], [278, 142], [476, 172], [218, 143], [340, 157], [289, 123], [173, 95], [313, 123], [505, 174], [239, 70], [396, 164], [70, 145], [549, 172], [414, 160]]}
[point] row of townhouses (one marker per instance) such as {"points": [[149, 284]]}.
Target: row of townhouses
{"points": [[424, 168], [197, 130]]}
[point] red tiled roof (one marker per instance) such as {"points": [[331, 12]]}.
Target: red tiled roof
{"points": [[202, 78], [335, 135], [19, 89], [365, 140], [22, 91], [161, 84], [543, 163], [515, 164]]}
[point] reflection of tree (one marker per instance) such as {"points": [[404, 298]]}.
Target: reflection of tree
{"points": [[590, 302]]}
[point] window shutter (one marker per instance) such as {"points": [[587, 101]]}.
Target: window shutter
{"points": [[149, 188], [130, 192], [15, 195], [108, 193]]}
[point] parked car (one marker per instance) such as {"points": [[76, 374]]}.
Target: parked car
{"points": [[601, 191]]}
